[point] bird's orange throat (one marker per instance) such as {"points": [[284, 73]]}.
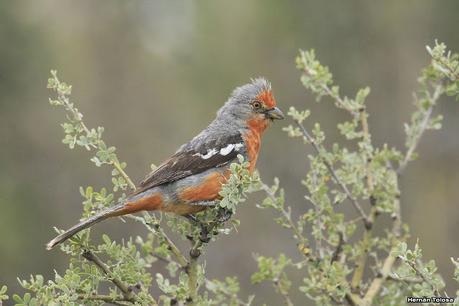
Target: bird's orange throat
{"points": [[252, 138], [258, 124]]}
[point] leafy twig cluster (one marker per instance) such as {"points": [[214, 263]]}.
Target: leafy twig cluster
{"points": [[347, 261]]}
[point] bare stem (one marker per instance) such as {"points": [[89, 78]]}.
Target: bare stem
{"points": [[193, 264], [192, 271], [362, 260], [377, 283], [118, 167], [408, 280], [119, 300], [366, 240], [339, 248], [352, 299], [386, 269]]}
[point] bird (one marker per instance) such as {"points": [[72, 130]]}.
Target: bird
{"points": [[190, 180]]}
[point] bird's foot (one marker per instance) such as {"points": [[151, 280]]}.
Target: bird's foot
{"points": [[192, 219], [203, 233], [224, 214]]}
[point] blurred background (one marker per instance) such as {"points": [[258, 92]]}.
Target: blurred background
{"points": [[139, 67]]}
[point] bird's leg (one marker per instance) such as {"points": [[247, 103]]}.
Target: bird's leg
{"points": [[203, 233]]}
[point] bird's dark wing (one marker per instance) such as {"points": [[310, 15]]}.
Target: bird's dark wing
{"points": [[195, 159]]}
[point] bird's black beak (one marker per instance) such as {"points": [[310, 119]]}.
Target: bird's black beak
{"points": [[275, 114]]}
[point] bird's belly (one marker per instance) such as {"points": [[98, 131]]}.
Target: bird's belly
{"points": [[206, 189], [183, 209], [183, 196]]}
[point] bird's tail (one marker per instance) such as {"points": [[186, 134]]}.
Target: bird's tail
{"points": [[110, 212]]}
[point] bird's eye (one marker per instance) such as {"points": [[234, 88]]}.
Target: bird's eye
{"points": [[256, 105]]}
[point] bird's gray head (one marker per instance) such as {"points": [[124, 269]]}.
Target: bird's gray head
{"points": [[252, 103]]}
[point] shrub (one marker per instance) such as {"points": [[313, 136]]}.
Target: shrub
{"points": [[344, 260]]}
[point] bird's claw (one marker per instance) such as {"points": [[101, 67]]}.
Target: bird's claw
{"points": [[223, 215]]}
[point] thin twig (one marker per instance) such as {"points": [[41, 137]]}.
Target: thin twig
{"points": [[352, 299], [118, 167], [192, 271], [339, 248], [303, 241], [193, 263], [366, 240], [339, 101], [127, 293], [332, 171], [412, 148], [117, 300], [408, 280], [157, 230], [378, 281], [283, 293], [422, 276], [423, 126], [285, 214], [77, 117]]}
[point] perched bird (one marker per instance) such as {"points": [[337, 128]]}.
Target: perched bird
{"points": [[191, 179]]}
